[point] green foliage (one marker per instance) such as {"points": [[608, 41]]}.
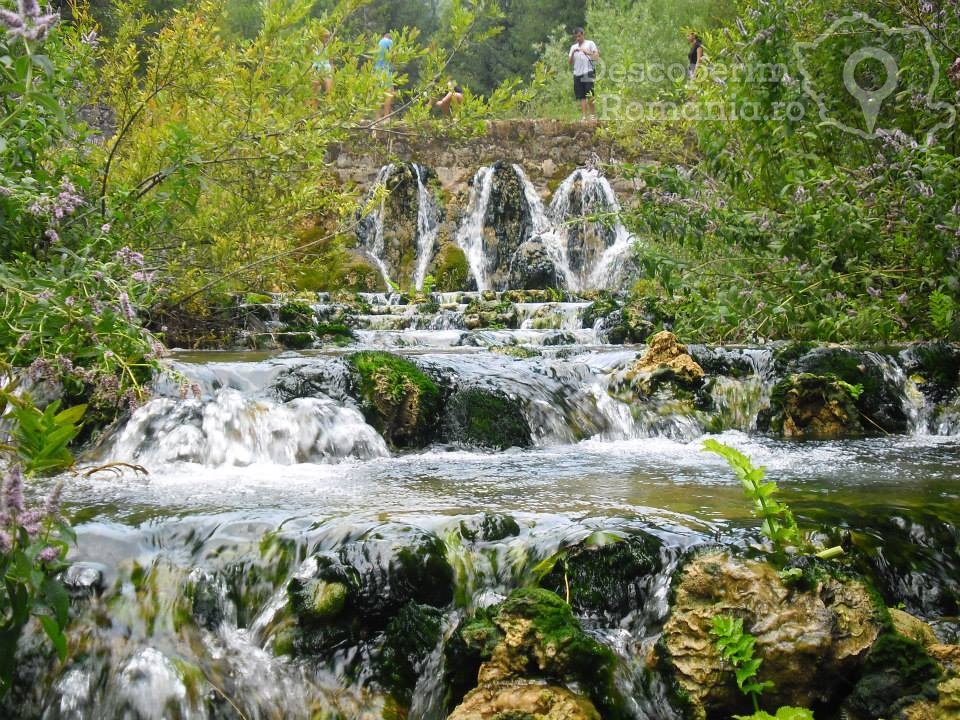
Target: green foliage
{"points": [[778, 524], [736, 647], [33, 540], [783, 713], [789, 227], [41, 438]]}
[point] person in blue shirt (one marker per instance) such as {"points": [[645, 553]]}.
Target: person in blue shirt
{"points": [[385, 69]]}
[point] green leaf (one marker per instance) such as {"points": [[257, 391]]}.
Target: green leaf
{"points": [[53, 631]]}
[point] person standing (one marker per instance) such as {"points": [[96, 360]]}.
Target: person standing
{"points": [[323, 67], [384, 68], [582, 55], [696, 54]]}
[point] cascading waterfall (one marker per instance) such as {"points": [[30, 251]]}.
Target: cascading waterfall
{"points": [[580, 232], [428, 227], [594, 267], [370, 228], [281, 559], [545, 229], [470, 233], [372, 232]]}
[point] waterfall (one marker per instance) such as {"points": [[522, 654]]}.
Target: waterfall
{"points": [[580, 234], [374, 228], [595, 243], [428, 227], [470, 233], [547, 232], [370, 227]]}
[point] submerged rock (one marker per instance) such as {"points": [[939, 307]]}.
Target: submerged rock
{"points": [[898, 674], [342, 597], [607, 579], [810, 641], [485, 418]]}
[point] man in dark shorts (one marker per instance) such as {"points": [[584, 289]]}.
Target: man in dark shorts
{"points": [[582, 55]]}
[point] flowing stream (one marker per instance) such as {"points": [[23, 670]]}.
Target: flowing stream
{"points": [[269, 461]]}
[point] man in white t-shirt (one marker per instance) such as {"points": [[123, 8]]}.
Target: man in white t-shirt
{"points": [[583, 53]]}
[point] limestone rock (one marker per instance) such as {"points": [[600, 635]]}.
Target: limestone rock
{"points": [[524, 700], [809, 641], [810, 406], [913, 628], [666, 355]]}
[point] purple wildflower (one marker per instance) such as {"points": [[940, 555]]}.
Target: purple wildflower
{"points": [[51, 508], [105, 228], [30, 521], [12, 499], [13, 21], [51, 235], [130, 257], [954, 71], [873, 292], [40, 369], [90, 38], [902, 298], [29, 9], [5, 191], [70, 301], [126, 307], [142, 276], [48, 555], [24, 339], [6, 542]]}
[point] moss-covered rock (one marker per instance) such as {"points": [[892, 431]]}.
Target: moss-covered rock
{"points": [[344, 597], [806, 406], [897, 674], [534, 636], [665, 364], [410, 636], [485, 418], [334, 333], [489, 527], [810, 640], [490, 314], [602, 306], [880, 404], [517, 351], [295, 340], [608, 579], [397, 398], [935, 367], [451, 269], [297, 315]]}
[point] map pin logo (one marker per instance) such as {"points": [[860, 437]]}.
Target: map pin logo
{"points": [[870, 100]]}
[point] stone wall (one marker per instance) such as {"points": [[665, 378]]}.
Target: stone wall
{"points": [[548, 151]]}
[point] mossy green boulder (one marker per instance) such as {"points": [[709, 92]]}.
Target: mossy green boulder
{"points": [[396, 397], [534, 636], [485, 418], [451, 269]]}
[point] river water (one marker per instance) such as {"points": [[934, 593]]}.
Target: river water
{"points": [[244, 451]]}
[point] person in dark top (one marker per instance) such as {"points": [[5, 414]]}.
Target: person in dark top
{"points": [[696, 54]]}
